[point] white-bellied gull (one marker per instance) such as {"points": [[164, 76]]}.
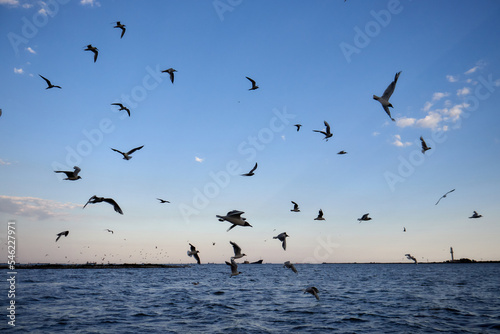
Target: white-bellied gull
{"points": [[237, 251], [234, 217], [313, 291], [234, 268], [384, 100], [282, 237], [290, 265], [194, 253]]}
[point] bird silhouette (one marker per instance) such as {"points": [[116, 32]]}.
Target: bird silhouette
{"points": [[94, 199], [298, 126], [251, 172], [282, 237], [295, 207], [424, 145], [342, 152], [162, 201], [444, 196], [320, 215], [475, 215], [121, 26], [94, 50], [384, 99], [313, 291], [122, 107], [194, 253], [65, 233], [170, 71], [126, 156], [364, 218], [71, 175], [49, 84], [327, 133], [111, 231], [290, 265], [254, 86]]}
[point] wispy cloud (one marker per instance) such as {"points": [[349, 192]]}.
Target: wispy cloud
{"points": [[463, 91], [198, 159], [5, 163], [480, 64], [438, 96], [90, 3], [375, 133], [18, 70], [9, 2], [397, 142], [34, 207], [30, 50], [452, 78]]}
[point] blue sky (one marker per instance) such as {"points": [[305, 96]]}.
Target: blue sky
{"points": [[314, 61]]}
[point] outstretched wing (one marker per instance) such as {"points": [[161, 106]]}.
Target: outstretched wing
{"points": [[89, 201], [236, 248], [390, 89], [46, 80], [135, 149], [252, 81], [327, 127], [424, 144], [118, 104], [114, 204], [254, 168], [77, 170], [114, 149]]}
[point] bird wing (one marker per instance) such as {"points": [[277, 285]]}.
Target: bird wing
{"points": [[135, 149], [58, 236], [232, 226], [424, 144], [323, 132], [390, 89], [46, 80], [89, 201], [283, 243], [387, 111], [118, 151], [68, 174], [327, 127], [254, 168], [197, 258], [123, 31], [95, 54], [450, 191], [236, 248], [77, 170], [118, 104], [365, 216], [235, 213], [251, 80], [115, 205]]}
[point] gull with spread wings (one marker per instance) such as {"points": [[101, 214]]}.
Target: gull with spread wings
{"points": [[384, 99], [126, 156], [94, 199], [327, 132], [71, 175], [444, 196]]}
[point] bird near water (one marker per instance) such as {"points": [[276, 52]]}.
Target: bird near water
{"points": [[71, 175], [94, 199], [290, 265], [49, 84], [126, 156], [237, 251], [384, 99], [282, 237], [234, 268], [194, 253], [60, 234], [234, 217], [313, 291]]}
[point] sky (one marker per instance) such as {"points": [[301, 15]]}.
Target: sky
{"points": [[313, 61]]}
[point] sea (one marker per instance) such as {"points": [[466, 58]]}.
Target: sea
{"points": [[264, 298]]}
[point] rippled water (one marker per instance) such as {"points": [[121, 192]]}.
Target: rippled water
{"points": [[354, 298]]}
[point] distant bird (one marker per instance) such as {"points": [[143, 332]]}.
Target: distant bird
{"points": [[384, 100], [313, 291], [282, 237], [49, 84], [0, 112], [94, 199], [424, 145], [234, 268], [342, 152], [444, 196], [475, 215], [121, 26], [409, 257], [126, 156], [404, 229], [162, 201], [298, 126], [194, 253], [289, 265], [250, 173], [327, 133], [237, 251], [254, 86], [122, 107], [295, 207], [364, 218], [111, 231], [170, 71], [234, 217], [320, 215], [94, 50], [65, 233], [71, 175]]}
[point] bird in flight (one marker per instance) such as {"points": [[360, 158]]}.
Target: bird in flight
{"points": [[94, 199], [251, 172], [71, 175], [327, 133], [234, 268], [126, 156], [49, 84], [409, 257], [342, 152], [110, 231], [121, 26], [237, 251], [282, 237], [320, 215], [94, 50], [384, 100], [364, 218], [234, 217], [298, 126], [122, 107], [290, 265], [194, 253], [254, 86], [170, 71], [475, 215], [65, 233], [295, 207], [424, 145], [444, 196], [162, 201], [313, 291]]}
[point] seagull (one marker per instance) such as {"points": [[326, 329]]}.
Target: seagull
{"points": [[94, 199], [194, 253], [65, 233], [94, 50], [162, 201], [234, 217], [111, 231], [342, 152], [409, 257], [295, 207], [71, 175], [364, 218], [122, 108], [298, 126], [444, 196], [327, 134], [254, 86], [250, 173], [234, 268], [121, 26], [384, 100], [171, 72], [126, 156], [237, 251], [320, 215], [49, 84], [313, 291], [475, 215], [424, 145], [282, 237], [289, 265], [404, 229]]}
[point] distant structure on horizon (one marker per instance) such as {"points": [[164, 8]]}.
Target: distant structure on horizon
{"points": [[451, 252]]}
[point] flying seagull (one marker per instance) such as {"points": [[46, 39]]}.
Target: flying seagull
{"points": [[65, 233], [121, 26], [298, 126], [71, 175], [49, 84], [342, 152], [94, 199], [364, 218], [110, 231], [162, 201], [122, 108], [234, 268], [234, 217], [444, 196], [282, 237], [424, 145], [237, 251], [254, 86], [320, 215], [313, 291], [384, 100], [94, 50], [170, 71], [327, 134], [289, 265], [194, 253], [295, 207], [409, 257], [126, 156], [250, 173], [475, 215]]}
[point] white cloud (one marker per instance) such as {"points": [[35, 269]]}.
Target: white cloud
{"points": [[198, 159], [405, 121], [375, 133], [30, 50], [397, 142], [454, 113], [91, 3], [480, 64], [18, 70], [430, 121], [34, 207], [438, 96], [9, 2], [427, 106], [463, 91], [452, 78], [5, 163]]}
